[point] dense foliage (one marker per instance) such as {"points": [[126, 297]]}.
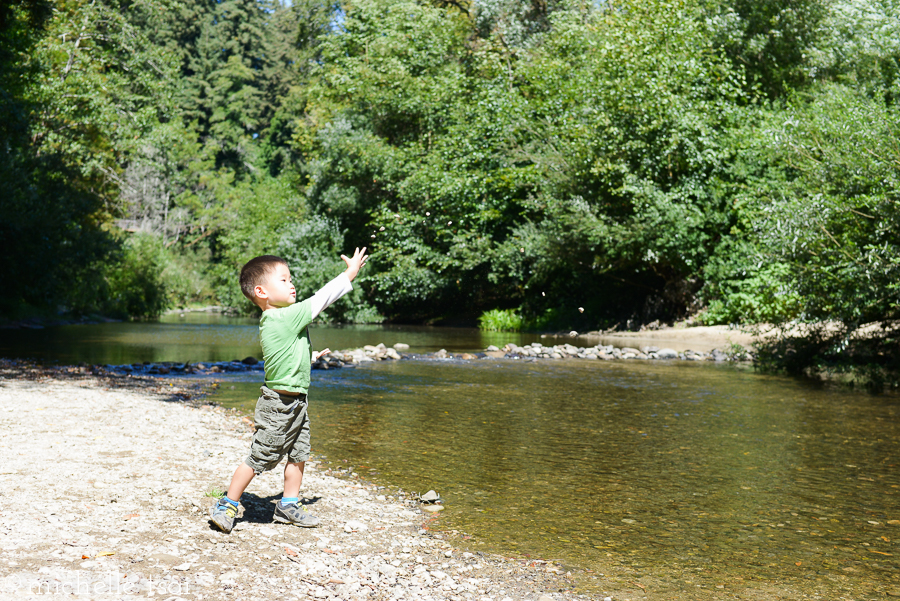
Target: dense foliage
{"points": [[545, 164]]}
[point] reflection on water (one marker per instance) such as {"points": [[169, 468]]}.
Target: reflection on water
{"points": [[195, 337], [674, 468]]}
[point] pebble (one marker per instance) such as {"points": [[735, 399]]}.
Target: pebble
{"points": [[430, 496], [355, 526]]}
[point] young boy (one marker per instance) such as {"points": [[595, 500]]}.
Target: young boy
{"points": [[282, 425]]}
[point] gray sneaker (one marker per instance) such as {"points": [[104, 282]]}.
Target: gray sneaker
{"points": [[222, 515], [295, 514]]}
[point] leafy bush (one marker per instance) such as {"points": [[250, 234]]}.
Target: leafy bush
{"points": [[185, 277], [134, 281], [501, 320], [831, 215]]}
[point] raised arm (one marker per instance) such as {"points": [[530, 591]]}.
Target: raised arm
{"points": [[329, 293], [340, 285]]}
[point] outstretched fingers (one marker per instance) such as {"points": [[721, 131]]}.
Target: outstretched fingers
{"points": [[359, 257]]}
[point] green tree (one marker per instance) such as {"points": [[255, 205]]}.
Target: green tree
{"points": [[80, 86], [572, 165]]}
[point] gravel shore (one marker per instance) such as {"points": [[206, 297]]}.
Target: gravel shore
{"points": [[104, 495]]}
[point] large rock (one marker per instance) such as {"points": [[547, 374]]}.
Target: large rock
{"points": [[667, 353]]}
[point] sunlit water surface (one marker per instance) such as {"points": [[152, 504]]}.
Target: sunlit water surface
{"points": [[694, 475], [690, 480]]}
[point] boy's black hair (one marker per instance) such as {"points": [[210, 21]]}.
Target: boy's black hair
{"points": [[254, 273]]}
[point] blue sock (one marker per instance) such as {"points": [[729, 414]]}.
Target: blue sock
{"points": [[232, 503], [289, 500]]}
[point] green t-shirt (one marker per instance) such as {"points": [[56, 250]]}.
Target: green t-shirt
{"points": [[286, 349]]}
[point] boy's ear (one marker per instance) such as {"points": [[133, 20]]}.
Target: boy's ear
{"points": [[260, 292]]}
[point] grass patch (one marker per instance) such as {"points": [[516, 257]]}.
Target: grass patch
{"points": [[215, 492]]}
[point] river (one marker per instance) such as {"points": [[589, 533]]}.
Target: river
{"points": [[691, 479]]}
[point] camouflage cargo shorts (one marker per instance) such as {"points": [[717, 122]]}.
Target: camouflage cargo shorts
{"points": [[282, 428]]}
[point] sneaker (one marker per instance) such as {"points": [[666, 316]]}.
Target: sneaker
{"points": [[295, 514], [222, 515]]}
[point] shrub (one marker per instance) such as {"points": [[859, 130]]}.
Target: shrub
{"points": [[501, 320], [135, 287]]}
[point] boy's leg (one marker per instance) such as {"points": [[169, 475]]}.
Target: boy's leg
{"points": [[293, 478], [240, 480], [289, 510], [272, 418], [225, 510]]}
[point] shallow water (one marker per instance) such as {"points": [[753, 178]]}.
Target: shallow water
{"points": [[661, 468], [196, 337], [683, 477]]}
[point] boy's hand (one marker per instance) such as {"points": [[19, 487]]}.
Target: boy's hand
{"points": [[358, 259], [319, 354]]}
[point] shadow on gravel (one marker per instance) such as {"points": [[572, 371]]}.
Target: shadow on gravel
{"points": [[260, 510]]}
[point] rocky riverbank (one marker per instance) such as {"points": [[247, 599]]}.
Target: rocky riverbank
{"points": [[105, 482]]}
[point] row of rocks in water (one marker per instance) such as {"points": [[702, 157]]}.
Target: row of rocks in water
{"points": [[609, 352], [532, 351], [380, 352], [165, 368]]}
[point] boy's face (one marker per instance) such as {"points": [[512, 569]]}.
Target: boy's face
{"points": [[278, 290]]}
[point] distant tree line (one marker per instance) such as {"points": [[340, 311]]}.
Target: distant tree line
{"points": [[558, 163]]}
